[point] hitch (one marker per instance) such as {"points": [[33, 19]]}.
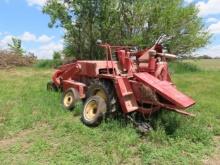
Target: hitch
{"points": [[183, 112], [142, 126]]}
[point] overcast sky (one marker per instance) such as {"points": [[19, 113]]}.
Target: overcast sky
{"points": [[24, 19]]}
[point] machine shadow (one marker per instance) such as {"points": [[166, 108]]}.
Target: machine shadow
{"points": [[169, 121]]}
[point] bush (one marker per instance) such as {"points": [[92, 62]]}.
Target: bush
{"points": [[9, 59], [170, 125], [48, 63]]}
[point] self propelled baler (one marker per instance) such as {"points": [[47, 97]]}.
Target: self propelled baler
{"points": [[129, 81]]}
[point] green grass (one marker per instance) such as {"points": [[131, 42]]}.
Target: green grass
{"points": [[35, 129], [206, 64], [183, 67]]}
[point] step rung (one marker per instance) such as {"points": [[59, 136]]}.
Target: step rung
{"points": [[132, 109], [127, 94]]}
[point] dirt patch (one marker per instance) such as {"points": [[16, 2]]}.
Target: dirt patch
{"points": [[21, 136], [214, 159], [5, 143]]}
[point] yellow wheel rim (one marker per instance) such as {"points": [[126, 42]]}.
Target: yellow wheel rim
{"points": [[91, 109], [68, 99]]}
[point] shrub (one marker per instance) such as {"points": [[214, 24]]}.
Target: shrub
{"points": [[9, 59], [48, 63]]}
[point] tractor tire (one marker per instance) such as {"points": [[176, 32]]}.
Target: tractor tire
{"points": [[51, 87], [93, 111], [106, 90], [69, 98]]}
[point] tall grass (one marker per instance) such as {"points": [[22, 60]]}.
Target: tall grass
{"points": [[58, 137], [183, 67]]}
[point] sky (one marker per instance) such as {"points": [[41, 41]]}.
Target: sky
{"points": [[23, 19]]}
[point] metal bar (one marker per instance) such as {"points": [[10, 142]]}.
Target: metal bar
{"points": [[110, 54], [183, 112]]}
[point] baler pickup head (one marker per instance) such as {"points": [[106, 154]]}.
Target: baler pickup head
{"points": [[173, 98]]}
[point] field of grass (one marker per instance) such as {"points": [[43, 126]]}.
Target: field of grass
{"points": [[35, 129], [206, 64]]}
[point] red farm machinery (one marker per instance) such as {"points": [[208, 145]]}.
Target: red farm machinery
{"points": [[135, 83]]}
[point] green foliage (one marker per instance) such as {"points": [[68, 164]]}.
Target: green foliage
{"points": [[57, 56], [132, 22], [48, 63], [183, 67], [173, 125], [15, 47]]}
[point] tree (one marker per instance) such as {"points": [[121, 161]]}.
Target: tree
{"points": [[132, 22], [15, 47], [56, 56]]}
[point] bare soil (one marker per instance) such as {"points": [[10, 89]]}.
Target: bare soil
{"points": [[215, 158], [21, 136]]}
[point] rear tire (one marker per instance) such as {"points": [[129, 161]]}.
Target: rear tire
{"points": [[93, 111], [106, 90]]}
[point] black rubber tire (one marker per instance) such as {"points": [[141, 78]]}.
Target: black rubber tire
{"points": [[51, 87], [69, 98], [108, 88], [92, 116]]}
